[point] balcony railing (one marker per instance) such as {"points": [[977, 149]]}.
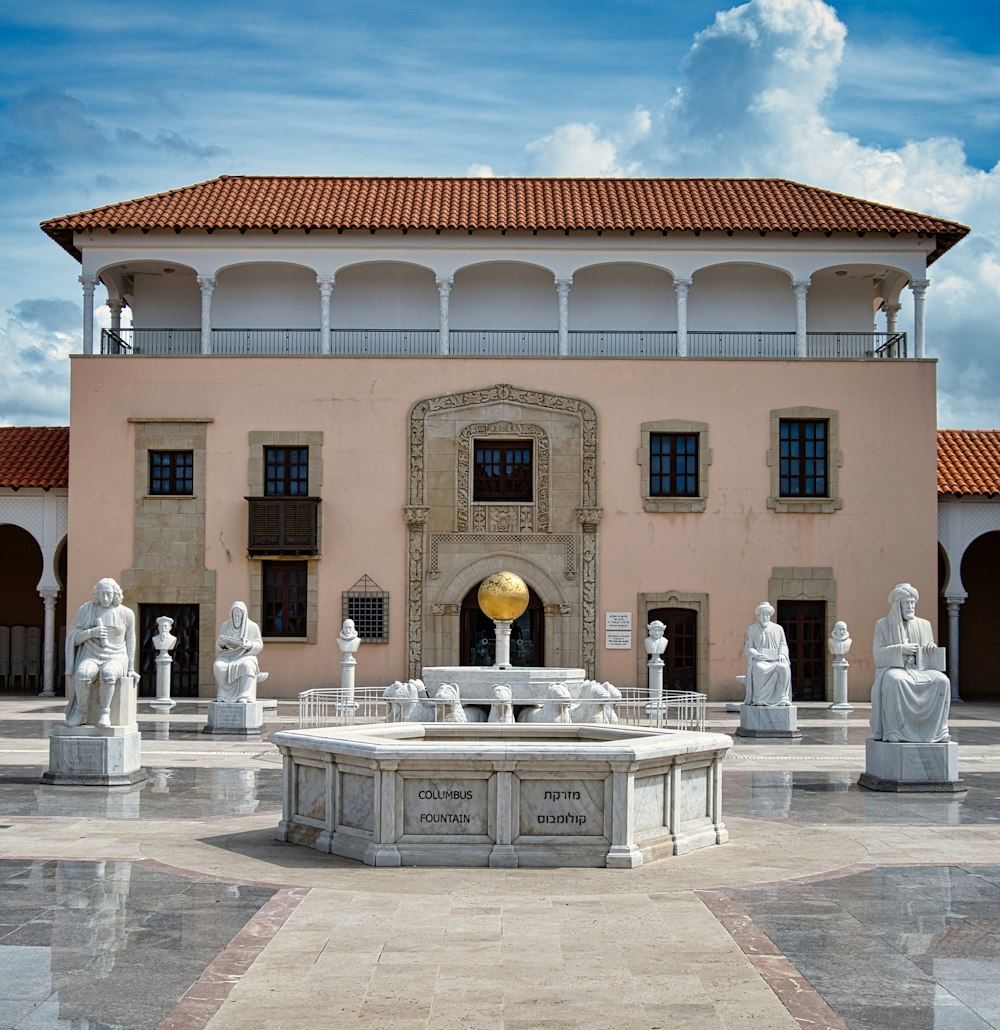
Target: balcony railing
{"points": [[531, 343], [283, 525]]}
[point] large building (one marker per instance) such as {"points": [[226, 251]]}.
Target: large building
{"points": [[666, 398]]}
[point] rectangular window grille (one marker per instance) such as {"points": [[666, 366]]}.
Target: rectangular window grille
{"points": [[368, 606], [673, 464], [284, 601], [503, 470], [286, 471], [803, 457], [171, 472]]}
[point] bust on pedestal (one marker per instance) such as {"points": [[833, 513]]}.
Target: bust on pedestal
{"points": [[839, 645], [656, 645], [910, 748], [236, 709], [348, 640], [100, 743], [767, 709], [164, 642]]}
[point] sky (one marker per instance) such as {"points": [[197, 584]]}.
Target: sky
{"points": [[892, 100]]}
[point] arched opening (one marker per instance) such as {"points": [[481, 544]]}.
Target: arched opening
{"points": [[977, 620], [478, 637], [680, 670], [22, 613]]}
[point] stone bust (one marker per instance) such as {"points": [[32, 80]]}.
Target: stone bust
{"points": [[840, 640], [348, 639], [656, 642], [164, 639]]}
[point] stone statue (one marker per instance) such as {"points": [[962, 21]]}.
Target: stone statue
{"points": [[100, 648], [909, 701], [555, 709], [769, 675], [656, 642], [408, 702], [348, 640], [236, 668], [840, 640], [164, 640], [502, 708]]}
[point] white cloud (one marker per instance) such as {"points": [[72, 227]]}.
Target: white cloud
{"points": [[35, 344], [754, 101]]}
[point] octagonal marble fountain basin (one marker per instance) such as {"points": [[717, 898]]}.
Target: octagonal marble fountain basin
{"points": [[501, 794]]}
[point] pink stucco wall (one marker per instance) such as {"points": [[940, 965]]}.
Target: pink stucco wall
{"points": [[885, 532]]}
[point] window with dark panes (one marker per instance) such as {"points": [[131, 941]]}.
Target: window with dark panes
{"points": [[171, 472], [803, 455], [286, 471], [283, 608], [673, 464], [502, 470]]}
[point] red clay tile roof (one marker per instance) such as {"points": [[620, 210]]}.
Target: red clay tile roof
{"points": [[657, 205], [35, 456], [968, 461]]}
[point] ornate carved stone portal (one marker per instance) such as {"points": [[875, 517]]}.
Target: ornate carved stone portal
{"points": [[455, 540]]}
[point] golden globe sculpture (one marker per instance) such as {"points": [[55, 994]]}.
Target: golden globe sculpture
{"points": [[503, 596]]}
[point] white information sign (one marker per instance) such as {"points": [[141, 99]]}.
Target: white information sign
{"points": [[618, 640], [617, 620]]}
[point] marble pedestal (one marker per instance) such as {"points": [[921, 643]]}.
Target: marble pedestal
{"points": [[913, 768], [235, 718], [769, 721], [85, 756]]}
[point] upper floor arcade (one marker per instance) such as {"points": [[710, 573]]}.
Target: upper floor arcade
{"points": [[698, 268]]}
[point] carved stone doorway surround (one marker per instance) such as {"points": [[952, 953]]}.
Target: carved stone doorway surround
{"points": [[453, 542]]}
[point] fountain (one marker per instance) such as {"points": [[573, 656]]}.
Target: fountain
{"points": [[544, 791]]}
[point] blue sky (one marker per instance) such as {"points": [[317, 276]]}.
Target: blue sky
{"points": [[894, 101]]}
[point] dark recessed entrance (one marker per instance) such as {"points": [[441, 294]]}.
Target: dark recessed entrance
{"points": [[527, 635], [804, 623], [184, 670], [681, 657]]}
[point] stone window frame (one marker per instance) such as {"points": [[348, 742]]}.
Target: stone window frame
{"points": [[698, 603], [257, 440], [801, 505], [696, 503]]}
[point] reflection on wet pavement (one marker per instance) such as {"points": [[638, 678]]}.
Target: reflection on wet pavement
{"points": [[189, 793], [108, 945], [908, 948], [835, 797]]}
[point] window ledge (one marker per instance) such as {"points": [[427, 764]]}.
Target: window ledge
{"points": [[675, 504], [805, 505]]}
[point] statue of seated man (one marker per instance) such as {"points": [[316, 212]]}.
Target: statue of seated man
{"points": [[236, 668], [769, 674], [100, 648], [909, 701]]}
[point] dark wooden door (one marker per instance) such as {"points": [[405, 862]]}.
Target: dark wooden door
{"points": [[804, 623], [681, 658], [478, 637], [184, 670]]}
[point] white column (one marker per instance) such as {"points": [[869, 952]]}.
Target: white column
{"points": [[444, 285], [801, 287], [115, 307], [953, 604], [562, 292], [502, 652], [326, 284], [919, 288], [49, 597], [207, 284], [88, 282], [891, 316], [681, 287]]}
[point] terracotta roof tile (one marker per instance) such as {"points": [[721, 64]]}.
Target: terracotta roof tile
{"points": [[968, 461], [36, 456], [655, 205]]}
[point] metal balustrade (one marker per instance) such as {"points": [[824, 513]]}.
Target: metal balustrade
{"points": [[529, 343], [331, 706]]}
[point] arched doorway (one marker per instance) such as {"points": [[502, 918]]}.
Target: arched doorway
{"points": [[681, 657], [977, 620], [527, 635], [21, 609]]}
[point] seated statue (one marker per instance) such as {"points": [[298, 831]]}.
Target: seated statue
{"points": [[236, 668], [909, 701], [100, 648], [769, 675]]}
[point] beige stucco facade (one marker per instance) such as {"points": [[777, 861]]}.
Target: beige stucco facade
{"points": [[390, 438]]}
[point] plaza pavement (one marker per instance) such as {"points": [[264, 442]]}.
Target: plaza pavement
{"points": [[172, 905]]}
